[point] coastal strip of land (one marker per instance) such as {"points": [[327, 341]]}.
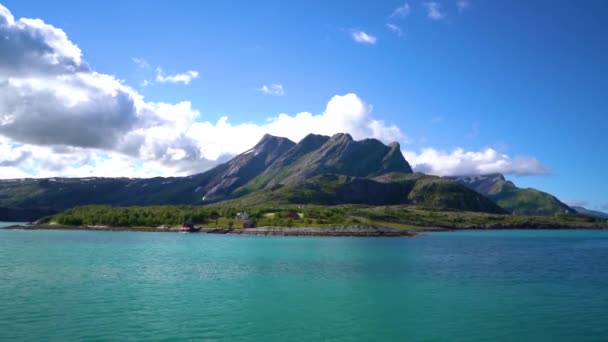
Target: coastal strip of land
{"points": [[338, 230], [355, 230]]}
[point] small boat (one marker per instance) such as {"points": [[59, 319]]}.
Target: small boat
{"points": [[188, 227]]}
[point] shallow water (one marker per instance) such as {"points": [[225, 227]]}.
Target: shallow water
{"points": [[459, 286]]}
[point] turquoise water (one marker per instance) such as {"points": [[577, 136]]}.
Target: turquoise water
{"points": [[459, 286]]}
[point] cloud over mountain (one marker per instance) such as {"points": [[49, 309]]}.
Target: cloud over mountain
{"points": [[460, 162], [58, 116], [51, 100]]}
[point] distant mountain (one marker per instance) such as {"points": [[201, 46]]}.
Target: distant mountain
{"points": [[56, 194], [594, 213], [516, 200], [272, 161], [318, 169]]}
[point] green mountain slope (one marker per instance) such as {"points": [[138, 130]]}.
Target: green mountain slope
{"points": [[391, 189], [339, 154], [516, 200]]}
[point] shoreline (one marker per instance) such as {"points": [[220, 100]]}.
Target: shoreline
{"points": [[335, 231], [355, 231]]}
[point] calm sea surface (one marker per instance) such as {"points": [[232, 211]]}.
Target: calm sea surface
{"points": [[461, 286]]}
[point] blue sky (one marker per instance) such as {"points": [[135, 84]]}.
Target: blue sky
{"points": [[518, 86]]}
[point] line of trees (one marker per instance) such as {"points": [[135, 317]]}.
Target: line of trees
{"points": [[151, 216], [133, 216]]}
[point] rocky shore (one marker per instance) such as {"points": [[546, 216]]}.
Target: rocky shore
{"points": [[345, 230], [356, 230], [353, 230]]}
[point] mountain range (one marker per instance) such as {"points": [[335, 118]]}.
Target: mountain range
{"points": [[317, 170]]}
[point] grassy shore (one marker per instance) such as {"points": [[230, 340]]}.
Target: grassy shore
{"points": [[343, 220]]}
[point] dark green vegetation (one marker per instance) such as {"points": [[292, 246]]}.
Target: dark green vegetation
{"points": [[398, 217], [319, 170], [151, 216], [391, 189]]}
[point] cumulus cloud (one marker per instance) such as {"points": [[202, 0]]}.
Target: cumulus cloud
{"points": [[273, 89], [30, 47], [184, 145], [15, 162], [434, 10], [395, 29], [363, 38], [60, 117], [460, 163], [343, 113], [50, 97], [184, 78], [44, 161], [401, 11]]}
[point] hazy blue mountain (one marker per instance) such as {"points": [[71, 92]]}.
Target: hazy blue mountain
{"points": [[594, 213]]}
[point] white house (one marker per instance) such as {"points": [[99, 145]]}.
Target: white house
{"points": [[242, 216]]}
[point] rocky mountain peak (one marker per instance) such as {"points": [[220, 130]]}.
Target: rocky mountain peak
{"points": [[271, 140], [342, 137]]}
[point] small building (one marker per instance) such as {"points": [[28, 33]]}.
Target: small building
{"points": [[242, 216], [188, 224], [293, 215]]}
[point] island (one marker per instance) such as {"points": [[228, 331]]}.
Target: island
{"points": [[320, 185], [301, 220]]}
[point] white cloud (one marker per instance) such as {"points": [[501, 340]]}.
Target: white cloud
{"points": [[462, 5], [401, 11], [142, 63], [184, 78], [343, 113], [6, 18], [396, 29], [363, 38], [183, 145], [434, 10], [273, 89], [60, 118], [460, 162]]}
